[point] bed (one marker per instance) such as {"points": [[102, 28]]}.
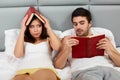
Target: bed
{"points": [[105, 14]]}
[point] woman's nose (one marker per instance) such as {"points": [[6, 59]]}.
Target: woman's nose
{"points": [[35, 29]]}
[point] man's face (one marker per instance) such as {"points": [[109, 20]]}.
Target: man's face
{"points": [[81, 26]]}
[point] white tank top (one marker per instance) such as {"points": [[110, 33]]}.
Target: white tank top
{"points": [[37, 56]]}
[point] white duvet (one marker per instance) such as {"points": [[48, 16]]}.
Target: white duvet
{"points": [[8, 66], [86, 63]]}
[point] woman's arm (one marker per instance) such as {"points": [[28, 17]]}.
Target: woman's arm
{"points": [[54, 40], [19, 47]]}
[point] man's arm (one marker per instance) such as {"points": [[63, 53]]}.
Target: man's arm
{"points": [[110, 50], [115, 57], [62, 56]]}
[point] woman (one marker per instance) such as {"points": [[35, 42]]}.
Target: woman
{"points": [[34, 44]]}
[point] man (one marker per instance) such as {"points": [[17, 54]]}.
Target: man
{"points": [[82, 22]]}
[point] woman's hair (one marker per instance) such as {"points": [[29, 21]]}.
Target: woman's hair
{"points": [[81, 12], [29, 38]]}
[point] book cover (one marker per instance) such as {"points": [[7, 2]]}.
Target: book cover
{"points": [[31, 12], [87, 47]]}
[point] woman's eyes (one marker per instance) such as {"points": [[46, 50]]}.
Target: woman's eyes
{"points": [[32, 26], [39, 25]]}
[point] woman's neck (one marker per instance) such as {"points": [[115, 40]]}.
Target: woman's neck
{"points": [[39, 41]]}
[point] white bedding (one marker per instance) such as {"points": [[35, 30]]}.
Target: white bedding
{"points": [[9, 64], [8, 67], [86, 63]]}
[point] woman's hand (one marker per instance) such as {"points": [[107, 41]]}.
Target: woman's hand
{"points": [[23, 26], [47, 24]]}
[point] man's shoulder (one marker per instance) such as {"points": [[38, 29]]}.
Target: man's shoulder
{"points": [[100, 30], [69, 32]]}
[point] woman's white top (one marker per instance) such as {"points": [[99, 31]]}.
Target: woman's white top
{"points": [[37, 56]]}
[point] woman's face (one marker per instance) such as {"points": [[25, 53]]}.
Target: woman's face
{"points": [[35, 28]]}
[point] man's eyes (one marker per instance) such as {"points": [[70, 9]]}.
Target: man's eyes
{"points": [[75, 24], [81, 23]]}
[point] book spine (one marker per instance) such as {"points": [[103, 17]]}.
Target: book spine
{"points": [[89, 47]]}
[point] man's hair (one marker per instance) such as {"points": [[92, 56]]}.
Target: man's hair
{"points": [[81, 12], [29, 38]]}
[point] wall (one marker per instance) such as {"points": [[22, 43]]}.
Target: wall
{"points": [[105, 14]]}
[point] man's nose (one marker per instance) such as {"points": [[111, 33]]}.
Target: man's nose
{"points": [[78, 26]]}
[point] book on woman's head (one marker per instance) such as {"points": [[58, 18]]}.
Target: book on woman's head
{"points": [[87, 47], [33, 12]]}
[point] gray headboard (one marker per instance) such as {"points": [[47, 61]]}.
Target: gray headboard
{"points": [[105, 14]]}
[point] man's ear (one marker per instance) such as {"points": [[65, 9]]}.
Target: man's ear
{"points": [[90, 24]]}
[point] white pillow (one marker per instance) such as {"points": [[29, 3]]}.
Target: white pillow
{"points": [[118, 48], [11, 38], [58, 33]]}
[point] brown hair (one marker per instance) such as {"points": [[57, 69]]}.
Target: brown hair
{"points": [[29, 38]]}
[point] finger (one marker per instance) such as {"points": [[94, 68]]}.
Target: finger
{"points": [[72, 42], [101, 47], [25, 19], [104, 40], [101, 43], [107, 38]]}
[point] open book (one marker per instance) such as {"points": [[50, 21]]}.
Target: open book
{"points": [[31, 12], [87, 47]]}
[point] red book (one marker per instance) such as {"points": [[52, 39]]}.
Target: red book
{"points": [[87, 47], [31, 12]]}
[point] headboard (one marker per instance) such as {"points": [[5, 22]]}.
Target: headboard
{"points": [[105, 14]]}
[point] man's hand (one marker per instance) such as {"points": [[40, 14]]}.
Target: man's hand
{"points": [[69, 41], [105, 44]]}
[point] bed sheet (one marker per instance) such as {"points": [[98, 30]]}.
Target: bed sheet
{"points": [[9, 64]]}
